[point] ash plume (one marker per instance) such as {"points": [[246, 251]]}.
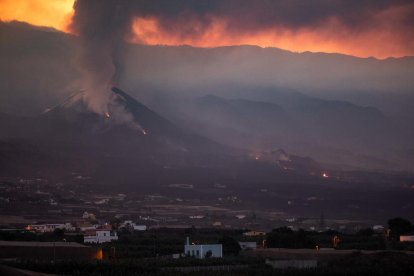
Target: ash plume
{"points": [[101, 27], [104, 25]]}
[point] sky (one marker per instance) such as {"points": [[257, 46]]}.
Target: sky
{"points": [[360, 28]]}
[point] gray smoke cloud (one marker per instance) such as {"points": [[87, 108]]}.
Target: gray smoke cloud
{"points": [[251, 15], [103, 26]]}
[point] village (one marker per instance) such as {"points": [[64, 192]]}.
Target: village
{"points": [[26, 202], [72, 220], [175, 248]]}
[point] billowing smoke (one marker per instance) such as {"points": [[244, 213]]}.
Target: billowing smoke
{"points": [[102, 27]]}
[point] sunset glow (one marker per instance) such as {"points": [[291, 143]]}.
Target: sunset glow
{"points": [[383, 39], [52, 13], [330, 37]]}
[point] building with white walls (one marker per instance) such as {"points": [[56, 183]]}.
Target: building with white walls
{"points": [[201, 251], [128, 224], [100, 236], [50, 227], [248, 245]]}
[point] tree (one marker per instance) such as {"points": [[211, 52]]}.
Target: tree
{"points": [[115, 222], [58, 233], [284, 230], [368, 232], [230, 246], [286, 238], [399, 226]]}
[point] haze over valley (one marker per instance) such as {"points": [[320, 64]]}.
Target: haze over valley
{"points": [[208, 116]]}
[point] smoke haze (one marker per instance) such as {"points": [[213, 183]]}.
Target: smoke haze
{"points": [[104, 26], [101, 27], [257, 102]]}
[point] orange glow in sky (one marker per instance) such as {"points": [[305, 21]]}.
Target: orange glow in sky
{"points": [[380, 41], [330, 37], [51, 13]]}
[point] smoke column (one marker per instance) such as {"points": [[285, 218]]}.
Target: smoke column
{"points": [[101, 27]]}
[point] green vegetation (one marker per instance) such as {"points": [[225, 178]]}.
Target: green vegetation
{"points": [[164, 241], [399, 226], [149, 252], [364, 239], [230, 246], [57, 235], [286, 238], [357, 264]]}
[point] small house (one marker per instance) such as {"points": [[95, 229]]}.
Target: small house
{"points": [[201, 251], [100, 236]]}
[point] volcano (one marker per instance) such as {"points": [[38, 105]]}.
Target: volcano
{"points": [[144, 133], [143, 148], [164, 131], [69, 137]]}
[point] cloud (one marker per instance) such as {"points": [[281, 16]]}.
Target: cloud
{"points": [[52, 13], [101, 27], [362, 28], [250, 15]]}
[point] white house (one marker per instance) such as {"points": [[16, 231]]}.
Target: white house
{"points": [[50, 227], [254, 233], [129, 224], [201, 251], [84, 227], [248, 245], [100, 236], [378, 228], [196, 217], [140, 227]]}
